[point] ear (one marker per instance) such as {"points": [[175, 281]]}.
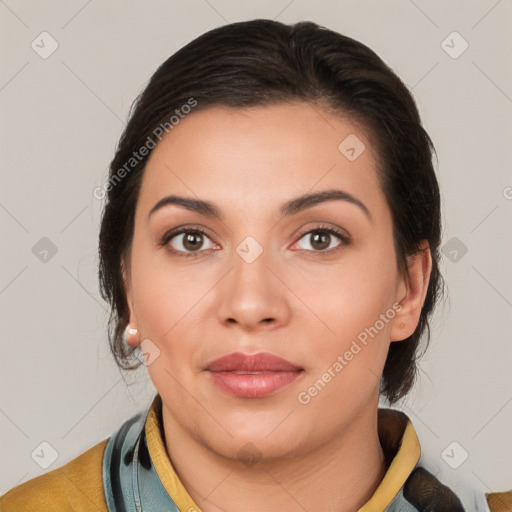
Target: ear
{"points": [[131, 336], [411, 293]]}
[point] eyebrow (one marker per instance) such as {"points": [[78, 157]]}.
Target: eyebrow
{"points": [[289, 208]]}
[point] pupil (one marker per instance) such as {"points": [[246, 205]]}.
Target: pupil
{"points": [[191, 241], [322, 239]]}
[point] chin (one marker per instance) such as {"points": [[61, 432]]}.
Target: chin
{"points": [[251, 451], [258, 440]]}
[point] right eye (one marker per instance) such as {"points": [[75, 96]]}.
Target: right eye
{"points": [[187, 242]]}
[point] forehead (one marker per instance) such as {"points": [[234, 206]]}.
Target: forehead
{"points": [[261, 156]]}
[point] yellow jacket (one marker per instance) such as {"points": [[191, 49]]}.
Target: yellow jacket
{"points": [[79, 485]]}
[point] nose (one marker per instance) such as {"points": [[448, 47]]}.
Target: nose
{"points": [[252, 295]]}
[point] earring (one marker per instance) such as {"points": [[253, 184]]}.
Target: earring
{"points": [[130, 335]]}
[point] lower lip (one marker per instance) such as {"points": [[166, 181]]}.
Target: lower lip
{"points": [[256, 385]]}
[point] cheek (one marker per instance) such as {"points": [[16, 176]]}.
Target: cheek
{"points": [[169, 298], [163, 292], [351, 337], [345, 367], [345, 298]]}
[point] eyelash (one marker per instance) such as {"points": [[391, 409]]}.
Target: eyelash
{"points": [[320, 229]]}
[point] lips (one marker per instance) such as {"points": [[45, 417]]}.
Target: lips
{"points": [[252, 375]]}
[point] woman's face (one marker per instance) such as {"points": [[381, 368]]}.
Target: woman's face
{"points": [[264, 278]]}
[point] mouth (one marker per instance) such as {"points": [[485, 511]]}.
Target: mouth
{"points": [[252, 375]]}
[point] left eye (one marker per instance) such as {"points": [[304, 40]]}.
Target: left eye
{"points": [[320, 240]]}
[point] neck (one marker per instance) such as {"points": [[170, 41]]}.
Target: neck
{"points": [[341, 475]]}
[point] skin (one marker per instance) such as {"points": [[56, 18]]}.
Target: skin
{"points": [[291, 301]]}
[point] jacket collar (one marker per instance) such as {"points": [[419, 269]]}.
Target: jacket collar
{"points": [[138, 474]]}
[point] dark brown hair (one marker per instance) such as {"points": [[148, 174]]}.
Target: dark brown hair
{"points": [[263, 62]]}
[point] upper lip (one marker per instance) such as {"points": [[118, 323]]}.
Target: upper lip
{"points": [[264, 361]]}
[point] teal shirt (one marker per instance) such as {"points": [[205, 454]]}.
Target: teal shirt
{"points": [[132, 483]]}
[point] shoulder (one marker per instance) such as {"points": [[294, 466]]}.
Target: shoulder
{"points": [[76, 486], [499, 501], [423, 490]]}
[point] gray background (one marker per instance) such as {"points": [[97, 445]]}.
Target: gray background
{"points": [[61, 119]]}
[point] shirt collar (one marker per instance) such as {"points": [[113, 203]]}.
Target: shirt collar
{"points": [[396, 434]]}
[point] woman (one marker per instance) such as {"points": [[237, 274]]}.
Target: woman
{"points": [[270, 245]]}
